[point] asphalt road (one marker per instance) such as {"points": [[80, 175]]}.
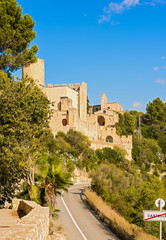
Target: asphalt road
{"points": [[79, 223]]}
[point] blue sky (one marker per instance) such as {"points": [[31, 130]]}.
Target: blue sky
{"points": [[117, 47]]}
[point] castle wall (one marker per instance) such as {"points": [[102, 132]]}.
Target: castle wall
{"points": [[114, 106], [92, 118], [71, 93], [73, 122], [111, 117], [99, 145], [56, 122], [36, 71], [54, 94], [89, 129], [121, 141]]}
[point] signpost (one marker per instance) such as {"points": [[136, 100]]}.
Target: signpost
{"points": [[156, 215]]}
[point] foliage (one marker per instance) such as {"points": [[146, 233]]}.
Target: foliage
{"points": [[79, 143], [115, 155], [50, 176], [154, 122], [146, 152], [135, 231], [24, 129], [16, 34], [91, 159], [127, 124], [129, 192], [155, 112], [133, 187]]}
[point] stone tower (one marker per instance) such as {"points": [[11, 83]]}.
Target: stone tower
{"points": [[82, 101], [36, 71], [103, 101]]}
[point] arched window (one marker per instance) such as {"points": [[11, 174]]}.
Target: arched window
{"points": [[64, 122], [101, 120], [109, 139]]}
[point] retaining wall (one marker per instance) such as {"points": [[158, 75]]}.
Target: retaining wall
{"points": [[33, 224]]}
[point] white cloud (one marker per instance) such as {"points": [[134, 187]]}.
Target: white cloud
{"points": [[136, 105], [160, 81], [156, 68], [117, 8], [163, 57], [163, 67]]}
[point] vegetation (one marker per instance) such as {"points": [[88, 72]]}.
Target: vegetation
{"points": [[154, 122], [127, 124], [150, 148], [129, 192], [132, 229], [16, 34], [51, 175], [33, 160], [26, 158], [133, 187], [24, 129]]}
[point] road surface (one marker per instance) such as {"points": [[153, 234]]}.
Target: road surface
{"points": [[78, 221]]}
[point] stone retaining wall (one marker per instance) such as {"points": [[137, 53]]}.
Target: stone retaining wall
{"points": [[34, 225]]}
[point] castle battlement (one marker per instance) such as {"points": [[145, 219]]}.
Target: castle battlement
{"points": [[75, 87]]}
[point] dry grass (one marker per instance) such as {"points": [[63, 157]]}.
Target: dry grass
{"points": [[56, 230], [132, 229]]}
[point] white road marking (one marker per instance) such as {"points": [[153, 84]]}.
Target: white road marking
{"points": [[73, 218]]}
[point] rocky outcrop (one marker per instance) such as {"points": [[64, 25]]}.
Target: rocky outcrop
{"points": [[80, 176]]}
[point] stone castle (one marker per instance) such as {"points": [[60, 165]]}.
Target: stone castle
{"points": [[70, 111]]}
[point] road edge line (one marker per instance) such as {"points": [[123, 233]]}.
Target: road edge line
{"points": [[72, 217]]}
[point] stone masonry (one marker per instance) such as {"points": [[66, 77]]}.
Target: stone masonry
{"points": [[70, 111], [34, 225]]}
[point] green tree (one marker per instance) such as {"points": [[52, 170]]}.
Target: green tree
{"points": [[109, 182], [78, 141], [115, 156], [154, 122], [146, 153], [155, 112], [24, 129], [127, 124], [50, 176], [16, 34]]}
